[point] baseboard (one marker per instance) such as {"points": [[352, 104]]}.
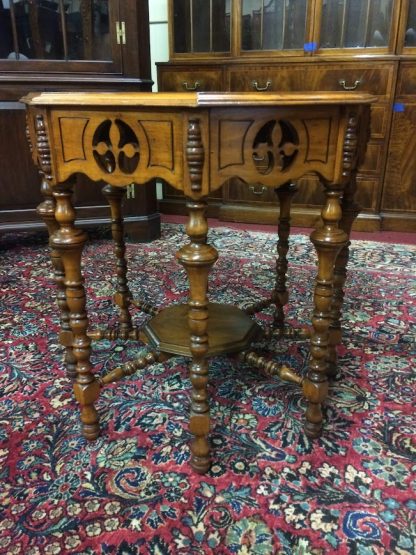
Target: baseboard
{"points": [[140, 229], [300, 216]]}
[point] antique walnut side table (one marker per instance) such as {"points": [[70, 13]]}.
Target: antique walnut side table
{"points": [[195, 142]]}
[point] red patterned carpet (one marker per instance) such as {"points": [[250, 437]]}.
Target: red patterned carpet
{"points": [[270, 490]]}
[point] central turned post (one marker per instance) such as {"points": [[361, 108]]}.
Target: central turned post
{"points": [[198, 257]]}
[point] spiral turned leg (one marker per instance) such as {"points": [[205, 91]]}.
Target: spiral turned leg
{"points": [[114, 196], [285, 194], [350, 211]]}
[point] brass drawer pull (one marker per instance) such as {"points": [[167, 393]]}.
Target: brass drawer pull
{"points": [[193, 87], [256, 86], [257, 191], [344, 85]]}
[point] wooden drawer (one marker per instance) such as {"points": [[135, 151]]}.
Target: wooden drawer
{"points": [[310, 194], [363, 77], [176, 78], [238, 191]]}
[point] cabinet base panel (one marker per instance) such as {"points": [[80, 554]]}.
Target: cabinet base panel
{"points": [[300, 216], [398, 221], [141, 229], [178, 207]]}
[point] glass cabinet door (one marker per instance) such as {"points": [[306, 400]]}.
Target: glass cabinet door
{"points": [[407, 34], [57, 30], [355, 24], [273, 24], [201, 26]]}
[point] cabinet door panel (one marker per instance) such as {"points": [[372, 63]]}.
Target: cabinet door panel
{"points": [[406, 83], [373, 161], [200, 26], [273, 25], [67, 35], [355, 23], [400, 180], [19, 179], [380, 116]]}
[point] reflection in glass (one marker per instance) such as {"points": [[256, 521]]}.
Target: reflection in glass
{"points": [[410, 36], [55, 29], [355, 23], [201, 25], [273, 24]]}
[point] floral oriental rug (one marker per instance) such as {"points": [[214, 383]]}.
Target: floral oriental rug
{"points": [[270, 490]]}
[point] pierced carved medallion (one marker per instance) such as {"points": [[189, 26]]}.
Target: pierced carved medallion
{"points": [[116, 146], [275, 146]]}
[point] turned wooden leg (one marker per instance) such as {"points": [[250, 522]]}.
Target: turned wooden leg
{"points": [[350, 211], [328, 241], [46, 211], [285, 194], [197, 257], [68, 242], [114, 196]]}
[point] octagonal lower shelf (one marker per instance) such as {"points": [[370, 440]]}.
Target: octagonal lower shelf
{"points": [[230, 330]]}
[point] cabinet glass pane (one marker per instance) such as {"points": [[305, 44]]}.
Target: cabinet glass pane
{"points": [[355, 23], [201, 25], [273, 24], [410, 36], [55, 30]]}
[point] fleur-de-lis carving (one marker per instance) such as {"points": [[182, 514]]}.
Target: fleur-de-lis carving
{"points": [[116, 146], [275, 145]]}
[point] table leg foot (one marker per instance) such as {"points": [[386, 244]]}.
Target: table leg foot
{"points": [[201, 465]]}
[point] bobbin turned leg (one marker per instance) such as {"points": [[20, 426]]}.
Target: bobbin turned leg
{"points": [[114, 196], [46, 211], [328, 241], [68, 242], [350, 211], [285, 194], [197, 257]]}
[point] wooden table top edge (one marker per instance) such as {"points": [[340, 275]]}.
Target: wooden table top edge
{"points": [[194, 99]]}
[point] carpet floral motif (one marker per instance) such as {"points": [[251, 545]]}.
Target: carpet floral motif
{"points": [[271, 490]]}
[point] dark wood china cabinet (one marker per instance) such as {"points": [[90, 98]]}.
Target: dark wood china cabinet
{"points": [[307, 45], [59, 45]]}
